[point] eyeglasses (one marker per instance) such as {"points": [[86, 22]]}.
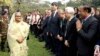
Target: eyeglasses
{"points": [[17, 16], [61, 13]]}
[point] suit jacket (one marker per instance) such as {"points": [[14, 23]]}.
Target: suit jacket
{"points": [[71, 32], [44, 25], [98, 29], [87, 36], [62, 24], [52, 25]]}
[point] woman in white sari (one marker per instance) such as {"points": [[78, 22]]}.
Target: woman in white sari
{"points": [[17, 34]]}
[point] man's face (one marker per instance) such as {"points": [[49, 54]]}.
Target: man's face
{"points": [[18, 17], [61, 14], [48, 12], [82, 12], [67, 15], [76, 10], [54, 7]]}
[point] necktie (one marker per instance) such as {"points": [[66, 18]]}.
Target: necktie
{"points": [[83, 21], [61, 22], [66, 28], [52, 14], [49, 19]]}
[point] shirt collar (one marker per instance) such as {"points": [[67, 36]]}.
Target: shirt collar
{"points": [[71, 18], [87, 17], [55, 13]]}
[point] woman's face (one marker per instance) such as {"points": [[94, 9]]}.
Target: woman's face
{"points": [[18, 17]]}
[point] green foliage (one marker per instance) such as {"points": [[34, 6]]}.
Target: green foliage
{"points": [[75, 4], [96, 3], [28, 7], [84, 2]]}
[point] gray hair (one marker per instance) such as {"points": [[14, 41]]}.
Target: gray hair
{"points": [[70, 10]]}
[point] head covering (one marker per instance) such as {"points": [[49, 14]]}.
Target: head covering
{"points": [[13, 18]]}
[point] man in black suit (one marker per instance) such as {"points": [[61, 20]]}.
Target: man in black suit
{"points": [[97, 46], [70, 32], [60, 36], [45, 29], [86, 28], [52, 27]]}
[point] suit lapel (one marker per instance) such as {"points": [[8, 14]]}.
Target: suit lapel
{"points": [[86, 23], [71, 22]]}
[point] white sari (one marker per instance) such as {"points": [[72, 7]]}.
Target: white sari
{"points": [[15, 31]]}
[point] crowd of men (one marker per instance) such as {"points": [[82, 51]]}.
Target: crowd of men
{"points": [[68, 32]]}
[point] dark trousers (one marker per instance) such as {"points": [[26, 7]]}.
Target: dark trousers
{"points": [[65, 51], [35, 30], [91, 54], [47, 40], [50, 42], [84, 55], [53, 44], [31, 28], [70, 51], [59, 48], [4, 43]]}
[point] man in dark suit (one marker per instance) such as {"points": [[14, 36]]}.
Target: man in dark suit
{"points": [[52, 26], [45, 29], [70, 32], [60, 35], [97, 46], [86, 28]]}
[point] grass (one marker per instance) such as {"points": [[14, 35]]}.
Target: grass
{"points": [[35, 48]]}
